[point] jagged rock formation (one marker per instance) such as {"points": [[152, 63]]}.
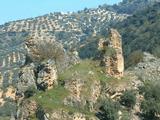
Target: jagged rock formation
{"points": [[27, 79], [47, 75], [113, 56]]}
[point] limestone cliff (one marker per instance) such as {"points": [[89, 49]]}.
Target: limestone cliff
{"points": [[113, 55]]}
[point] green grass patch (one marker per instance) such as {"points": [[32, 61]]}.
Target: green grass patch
{"points": [[86, 70], [51, 99]]}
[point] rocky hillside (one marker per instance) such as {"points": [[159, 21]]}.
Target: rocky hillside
{"points": [[42, 76], [77, 30], [140, 32], [70, 29]]}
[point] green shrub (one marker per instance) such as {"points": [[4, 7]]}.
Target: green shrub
{"points": [[45, 49], [150, 106], [128, 99], [134, 58], [30, 92], [109, 110]]}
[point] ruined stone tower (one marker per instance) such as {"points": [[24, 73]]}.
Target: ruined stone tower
{"points": [[113, 55]]}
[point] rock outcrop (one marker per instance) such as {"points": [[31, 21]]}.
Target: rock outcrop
{"points": [[113, 56], [27, 79], [47, 75]]}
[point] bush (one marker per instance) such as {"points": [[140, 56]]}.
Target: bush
{"points": [[150, 106], [128, 99], [45, 49], [134, 58], [109, 111], [30, 92]]}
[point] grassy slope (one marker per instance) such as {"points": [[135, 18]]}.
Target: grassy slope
{"points": [[53, 99]]}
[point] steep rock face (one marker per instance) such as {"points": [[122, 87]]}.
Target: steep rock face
{"points": [[47, 76], [113, 56], [27, 79]]}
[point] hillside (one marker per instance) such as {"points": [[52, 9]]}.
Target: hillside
{"points": [[76, 31], [71, 66], [70, 29], [130, 6], [141, 31]]}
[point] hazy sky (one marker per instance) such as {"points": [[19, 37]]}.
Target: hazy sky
{"points": [[19, 9]]}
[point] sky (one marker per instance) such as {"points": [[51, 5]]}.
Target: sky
{"points": [[11, 10]]}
